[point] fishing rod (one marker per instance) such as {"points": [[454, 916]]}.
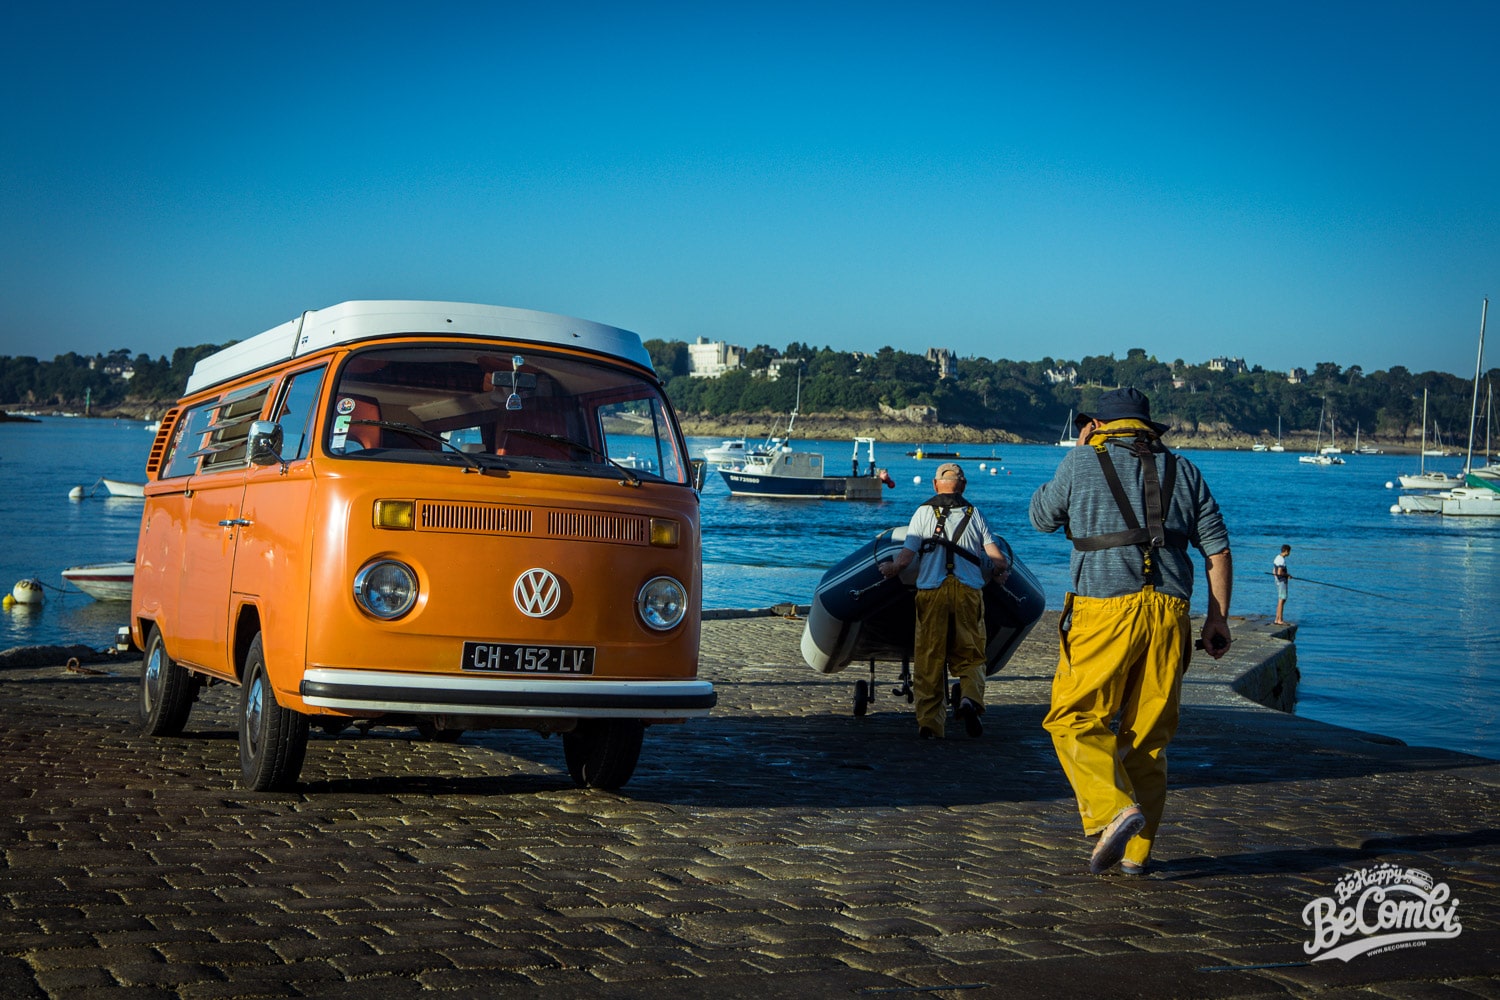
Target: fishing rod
{"points": [[1338, 586]]}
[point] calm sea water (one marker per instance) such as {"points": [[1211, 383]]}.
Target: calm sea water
{"points": [[1397, 635]]}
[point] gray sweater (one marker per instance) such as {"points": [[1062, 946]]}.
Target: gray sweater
{"points": [[1078, 497]]}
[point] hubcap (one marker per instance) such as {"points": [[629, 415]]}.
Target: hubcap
{"points": [[153, 677], [252, 713]]}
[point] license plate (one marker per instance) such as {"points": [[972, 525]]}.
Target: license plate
{"points": [[514, 658]]}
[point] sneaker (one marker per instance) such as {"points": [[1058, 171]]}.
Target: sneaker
{"points": [[968, 713], [1111, 846], [1132, 869]]}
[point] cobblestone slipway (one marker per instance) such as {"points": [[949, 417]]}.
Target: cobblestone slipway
{"points": [[780, 847]]}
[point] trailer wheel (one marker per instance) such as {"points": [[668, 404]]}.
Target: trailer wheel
{"points": [[601, 753], [861, 697], [166, 690], [273, 740]]}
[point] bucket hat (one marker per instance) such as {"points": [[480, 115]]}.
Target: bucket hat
{"points": [[1123, 404]]}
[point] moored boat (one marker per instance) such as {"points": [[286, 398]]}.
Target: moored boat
{"points": [[103, 581], [788, 474], [1065, 440], [732, 450], [118, 488]]}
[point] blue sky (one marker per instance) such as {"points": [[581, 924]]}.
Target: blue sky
{"points": [[1285, 182]]}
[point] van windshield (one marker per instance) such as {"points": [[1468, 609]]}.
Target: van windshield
{"points": [[480, 407]]}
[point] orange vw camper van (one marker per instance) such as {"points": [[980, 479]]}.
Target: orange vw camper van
{"points": [[429, 514]]}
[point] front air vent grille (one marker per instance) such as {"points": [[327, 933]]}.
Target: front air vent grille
{"points": [[474, 517], [598, 527], [496, 519]]}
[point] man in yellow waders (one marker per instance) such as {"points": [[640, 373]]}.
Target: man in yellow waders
{"points": [[1131, 509], [953, 539]]}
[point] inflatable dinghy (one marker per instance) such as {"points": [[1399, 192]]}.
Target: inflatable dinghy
{"points": [[859, 615]]}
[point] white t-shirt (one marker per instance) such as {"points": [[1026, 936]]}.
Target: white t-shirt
{"points": [[1280, 563], [934, 565]]}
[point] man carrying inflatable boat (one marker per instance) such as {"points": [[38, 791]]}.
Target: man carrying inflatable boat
{"points": [[958, 557], [867, 605]]}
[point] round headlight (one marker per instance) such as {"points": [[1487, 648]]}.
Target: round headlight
{"points": [[386, 589], [662, 603]]}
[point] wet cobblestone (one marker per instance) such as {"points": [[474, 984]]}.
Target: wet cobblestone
{"points": [[780, 847]]}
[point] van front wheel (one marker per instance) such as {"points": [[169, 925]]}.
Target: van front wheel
{"points": [[273, 740], [166, 690], [601, 753]]}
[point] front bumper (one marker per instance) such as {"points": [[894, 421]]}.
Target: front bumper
{"points": [[385, 691]]}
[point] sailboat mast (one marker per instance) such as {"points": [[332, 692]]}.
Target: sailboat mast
{"points": [[1422, 449], [1478, 368]]}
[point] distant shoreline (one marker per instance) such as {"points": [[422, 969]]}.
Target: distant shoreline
{"points": [[822, 427], [957, 437]]}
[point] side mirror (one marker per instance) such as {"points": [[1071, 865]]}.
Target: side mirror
{"points": [[264, 443]]}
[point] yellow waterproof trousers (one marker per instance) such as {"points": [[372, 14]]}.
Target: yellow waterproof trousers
{"points": [[950, 630], [1120, 656]]}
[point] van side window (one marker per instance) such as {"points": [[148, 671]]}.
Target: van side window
{"points": [[183, 458], [224, 444], [295, 412]]}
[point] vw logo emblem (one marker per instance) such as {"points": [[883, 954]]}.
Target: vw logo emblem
{"points": [[536, 593]]}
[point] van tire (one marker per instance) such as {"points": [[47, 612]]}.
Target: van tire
{"points": [[601, 753], [166, 695], [273, 740]]}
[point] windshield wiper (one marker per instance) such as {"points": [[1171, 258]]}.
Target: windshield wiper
{"points": [[425, 435], [631, 479]]}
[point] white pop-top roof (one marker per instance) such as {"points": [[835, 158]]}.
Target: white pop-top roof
{"points": [[346, 322]]}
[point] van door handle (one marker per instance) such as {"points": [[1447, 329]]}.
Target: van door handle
{"points": [[234, 522]]}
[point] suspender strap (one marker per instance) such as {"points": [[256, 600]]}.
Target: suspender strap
{"points": [[1157, 494], [951, 548]]}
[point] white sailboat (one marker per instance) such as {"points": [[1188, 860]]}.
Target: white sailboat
{"points": [[1480, 495], [1425, 480], [1065, 441], [1320, 455], [1332, 447], [1278, 446]]}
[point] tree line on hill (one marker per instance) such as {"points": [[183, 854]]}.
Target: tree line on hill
{"points": [[1019, 395], [1010, 395]]}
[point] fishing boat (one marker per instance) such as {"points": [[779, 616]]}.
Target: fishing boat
{"points": [[789, 474], [103, 581], [781, 472], [1424, 480]]}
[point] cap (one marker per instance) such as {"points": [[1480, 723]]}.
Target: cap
{"points": [[1123, 404], [946, 468]]}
